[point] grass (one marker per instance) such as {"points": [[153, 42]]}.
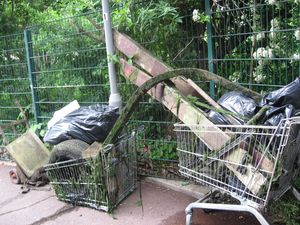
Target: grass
{"points": [[286, 210]]}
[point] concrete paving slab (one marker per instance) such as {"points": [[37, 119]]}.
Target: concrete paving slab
{"points": [[22, 209], [155, 205], [150, 204], [40, 206], [182, 186]]}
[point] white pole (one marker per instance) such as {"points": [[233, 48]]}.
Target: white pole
{"points": [[115, 99]]}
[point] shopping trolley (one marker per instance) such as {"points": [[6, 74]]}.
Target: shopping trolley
{"points": [[253, 164], [100, 182]]}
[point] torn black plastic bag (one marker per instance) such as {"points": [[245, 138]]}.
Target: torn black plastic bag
{"points": [[88, 123], [239, 103], [289, 94], [275, 114]]}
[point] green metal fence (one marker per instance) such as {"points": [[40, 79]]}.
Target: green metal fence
{"points": [[260, 44], [14, 84], [255, 43], [67, 63]]}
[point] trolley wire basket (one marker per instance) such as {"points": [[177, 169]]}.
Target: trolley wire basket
{"points": [[100, 182], [251, 163]]}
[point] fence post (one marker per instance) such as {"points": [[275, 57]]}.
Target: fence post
{"points": [[31, 74], [210, 48]]}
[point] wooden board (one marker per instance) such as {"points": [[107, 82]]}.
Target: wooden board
{"points": [[212, 102], [210, 134], [92, 150], [153, 66], [148, 62], [176, 103], [253, 180]]}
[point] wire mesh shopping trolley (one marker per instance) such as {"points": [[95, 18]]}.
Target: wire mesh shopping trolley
{"points": [[250, 163], [99, 182]]}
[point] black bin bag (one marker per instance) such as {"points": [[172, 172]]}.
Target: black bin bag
{"points": [[239, 103], [217, 118], [274, 115], [289, 94], [88, 123], [235, 102]]}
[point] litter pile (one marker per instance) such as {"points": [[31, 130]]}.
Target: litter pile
{"points": [[83, 172], [243, 128]]}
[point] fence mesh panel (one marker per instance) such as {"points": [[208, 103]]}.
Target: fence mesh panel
{"points": [[69, 63], [14, 84], [255, 43]]}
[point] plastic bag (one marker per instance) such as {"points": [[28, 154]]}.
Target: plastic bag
{"points": [[289, 94], [275, 114], [239, 103], [217, 118], [88, 123]]}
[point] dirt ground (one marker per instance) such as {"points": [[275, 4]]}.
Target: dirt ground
{"points": [[214, 218]]}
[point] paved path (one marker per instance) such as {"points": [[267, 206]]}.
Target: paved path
{"points": [[161, 206], [40, 206]]}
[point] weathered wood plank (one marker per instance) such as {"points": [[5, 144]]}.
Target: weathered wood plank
{"points": [[148, 62], [212, 102], [211, 135], [180, 107], [92, 150], [154, 67]]}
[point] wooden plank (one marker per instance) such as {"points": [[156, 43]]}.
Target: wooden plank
{"points": [[212, 102], [210, 134], [148, 62], [253, 180], [203, 94], [92, 150], [181, 108], [153, 66]]}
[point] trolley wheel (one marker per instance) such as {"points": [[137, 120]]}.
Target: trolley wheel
{"points": [[68, 150]]}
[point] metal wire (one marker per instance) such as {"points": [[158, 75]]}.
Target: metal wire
{"points": [[245, 162], [101, 182]]}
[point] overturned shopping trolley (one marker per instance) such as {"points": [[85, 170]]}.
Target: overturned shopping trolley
{"points": [[99, 182], [251, 163]]}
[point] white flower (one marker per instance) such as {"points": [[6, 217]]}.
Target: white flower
{"points": [[258, 77], [263, 53], [272, 34], [272, 2], [275, 23], [14, 57], [258, 74], [259, 53], [260, 36], [196, 15], [296, 56], [297, 34], [268, 53], [297, 2]]}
